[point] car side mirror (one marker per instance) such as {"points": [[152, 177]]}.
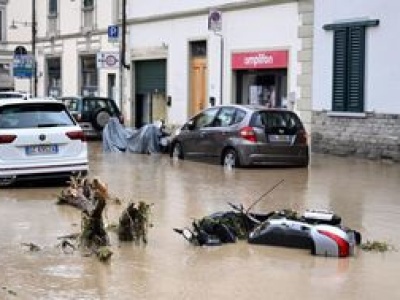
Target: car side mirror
{"points": [[190, 125]]}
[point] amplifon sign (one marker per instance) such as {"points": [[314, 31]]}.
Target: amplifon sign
{"points": [[260, 60]]}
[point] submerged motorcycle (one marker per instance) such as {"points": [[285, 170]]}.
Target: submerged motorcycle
{"points": [[320, 231]]}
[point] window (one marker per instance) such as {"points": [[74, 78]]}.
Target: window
{"points": [[2, 23], [206, 118], [88, 75], [225, 117], [34, 115], [88, 14], [88, 4], [349, 65], [117, 10], [53, 7]]}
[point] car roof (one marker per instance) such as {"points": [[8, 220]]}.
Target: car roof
{"points": [[84, 97], [252, 107], [11, 101], [12, 93]]}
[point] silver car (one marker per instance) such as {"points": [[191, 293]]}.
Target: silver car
{"points": [[243, 135]]}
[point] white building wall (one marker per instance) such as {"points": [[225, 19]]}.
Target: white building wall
{"points": [[382, 48], [261, 28], [157, 7], [69, 44]]}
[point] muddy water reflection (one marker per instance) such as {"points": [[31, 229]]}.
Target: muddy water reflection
{"points": [[364, 193]]}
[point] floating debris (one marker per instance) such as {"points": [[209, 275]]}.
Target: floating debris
{"points": [[376, 246], [103, 254], [32, 247], [134, 222]]}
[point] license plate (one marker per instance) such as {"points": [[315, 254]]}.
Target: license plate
{"points": [[41, 149], [279, 138]]}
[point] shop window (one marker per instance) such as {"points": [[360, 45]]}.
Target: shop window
{"points": [[262, 87], [349, 65]]}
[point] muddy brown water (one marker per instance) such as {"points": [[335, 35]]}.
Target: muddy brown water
{"points": [[364, 193]]}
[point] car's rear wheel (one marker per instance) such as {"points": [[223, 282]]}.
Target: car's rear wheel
{"points": [[177, 151], [100, 118], [230, 158]]}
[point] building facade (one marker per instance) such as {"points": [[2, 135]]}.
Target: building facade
{"points": [[356, 110], [186, 56], [74, 54]]}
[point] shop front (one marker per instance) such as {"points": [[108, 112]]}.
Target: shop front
{"points": [[261, 77]]}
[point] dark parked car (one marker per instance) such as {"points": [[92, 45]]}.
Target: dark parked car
{"points": [[242, 135], [92, 113]]}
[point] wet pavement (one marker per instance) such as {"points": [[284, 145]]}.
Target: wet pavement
{"points": [[364, 193]]}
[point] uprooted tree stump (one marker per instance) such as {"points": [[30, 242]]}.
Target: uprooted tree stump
{"points": [[90, 197], [134, 223]]}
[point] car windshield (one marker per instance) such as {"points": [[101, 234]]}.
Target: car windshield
{"points": [[34, 115]]}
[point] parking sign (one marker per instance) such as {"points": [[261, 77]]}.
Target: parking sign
{"points": [[113, 32]]}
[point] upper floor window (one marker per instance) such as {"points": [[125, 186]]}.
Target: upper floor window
{"points": [[53, 7], [88, 14], [2, 23], [88, 4], [52, 19], [117, 10]]}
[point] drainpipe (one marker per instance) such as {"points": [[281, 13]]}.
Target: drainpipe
{"points": [[122, 65]]}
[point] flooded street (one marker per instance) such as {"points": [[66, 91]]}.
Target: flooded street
{"points": [[364, 193]]}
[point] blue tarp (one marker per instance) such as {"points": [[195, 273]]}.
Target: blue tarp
{"points": [[118, 138]]}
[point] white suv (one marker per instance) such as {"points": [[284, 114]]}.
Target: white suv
{"points": [[39, 139], [13, 95]]}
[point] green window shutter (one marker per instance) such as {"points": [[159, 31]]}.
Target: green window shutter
{"points": [[348, 68], [356, 60], [339, 93], [150, 76]]}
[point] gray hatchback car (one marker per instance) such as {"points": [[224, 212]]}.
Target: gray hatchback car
{"points": [[243, 135]]}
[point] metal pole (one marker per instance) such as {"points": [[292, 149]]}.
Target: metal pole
{"points": [[222, 67], [34, 67], [221, 59], [122, 63]]}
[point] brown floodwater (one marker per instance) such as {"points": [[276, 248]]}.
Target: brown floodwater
{"points": [[364, 193]]}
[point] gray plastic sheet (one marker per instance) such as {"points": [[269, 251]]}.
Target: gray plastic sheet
{"points": [[117, 138]]}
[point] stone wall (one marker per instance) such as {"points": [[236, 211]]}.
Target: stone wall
{"points": [[375, 136]]}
